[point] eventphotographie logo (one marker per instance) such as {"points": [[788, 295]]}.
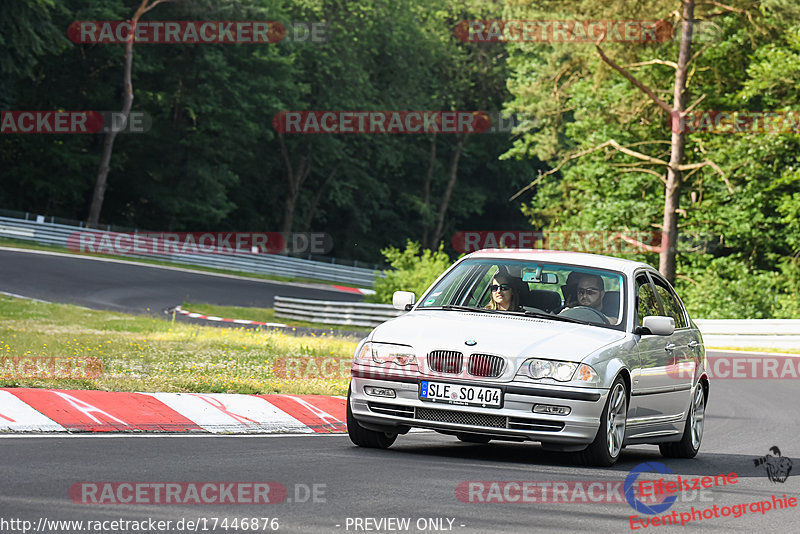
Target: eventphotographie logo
{"points": [[633, 499]]}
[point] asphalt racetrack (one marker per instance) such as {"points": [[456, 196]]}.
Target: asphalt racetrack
{"points": [[332, 486], [416, 479], [138, 288]]}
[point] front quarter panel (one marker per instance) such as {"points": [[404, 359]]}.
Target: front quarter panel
{"points": [[609, 362]]}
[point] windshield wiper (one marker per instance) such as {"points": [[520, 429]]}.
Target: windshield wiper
{"points": [[549, 316], [456, 307]]}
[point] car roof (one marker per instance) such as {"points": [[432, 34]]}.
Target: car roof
{"points": [[560, 256]]}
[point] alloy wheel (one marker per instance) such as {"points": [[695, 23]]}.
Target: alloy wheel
{"points": [[698, 416], [617, 415]]}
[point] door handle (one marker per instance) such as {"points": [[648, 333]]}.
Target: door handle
{"points": [[670, 347], [693, 344]]}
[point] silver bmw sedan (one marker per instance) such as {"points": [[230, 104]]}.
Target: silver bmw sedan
{"points": [[580, 352]]}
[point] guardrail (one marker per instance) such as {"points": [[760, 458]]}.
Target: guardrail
{"points": [[333, 312], [751, 333], [50, 233], [734, 333]]}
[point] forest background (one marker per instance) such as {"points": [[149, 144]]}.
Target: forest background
{"points": [[213, 160]]}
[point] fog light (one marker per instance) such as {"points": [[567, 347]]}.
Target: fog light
{"points": [[551, 410], [379, 392]]}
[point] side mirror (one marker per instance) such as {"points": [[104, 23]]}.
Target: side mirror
{"points": [[403, 300], [658, 325]]}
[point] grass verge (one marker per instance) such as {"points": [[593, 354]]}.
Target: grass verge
{"points": [[262, 315], [141, 353]]}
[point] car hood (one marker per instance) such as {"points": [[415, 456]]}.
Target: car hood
{"points": [[508, 335]]}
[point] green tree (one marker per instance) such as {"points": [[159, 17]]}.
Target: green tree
{"points": [[413, 269], [576, 104]]}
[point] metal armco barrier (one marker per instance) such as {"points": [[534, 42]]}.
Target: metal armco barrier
{"points": [[751, 333], [57, 234], [332, 312], [734, 333]]}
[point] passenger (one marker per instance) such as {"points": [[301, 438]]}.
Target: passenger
{"points": [[504, 295]]}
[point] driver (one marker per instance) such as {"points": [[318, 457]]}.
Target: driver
{"points": [[590, 292]]}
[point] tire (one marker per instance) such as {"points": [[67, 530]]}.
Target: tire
{"points": [[692, 437], [473, 438], [363, 437], [606, 448]]}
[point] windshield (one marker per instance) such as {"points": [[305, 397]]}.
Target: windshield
{"points": [[575, 293]]}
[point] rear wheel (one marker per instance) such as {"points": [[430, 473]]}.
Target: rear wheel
{"points": [[689, 444], [607, 445], [363, 437]]}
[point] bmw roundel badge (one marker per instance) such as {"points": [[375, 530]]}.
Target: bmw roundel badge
{"points": [[470, 343]]}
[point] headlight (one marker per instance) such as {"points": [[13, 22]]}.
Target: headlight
{"points": [[540, 368], [363, 355], [382, 353], [559, 371]]}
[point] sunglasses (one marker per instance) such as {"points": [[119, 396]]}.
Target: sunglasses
{"points": [[501, 287], [588, 291]]}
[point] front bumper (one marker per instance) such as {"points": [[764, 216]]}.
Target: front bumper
{"points": [[515, 420]]}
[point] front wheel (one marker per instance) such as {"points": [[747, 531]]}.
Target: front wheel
{"points": [[607, 445], [364, 437], [689, 444]]}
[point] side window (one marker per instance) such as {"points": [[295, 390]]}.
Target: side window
{"points": [[646, 302], [448, 289], [671, 305]]}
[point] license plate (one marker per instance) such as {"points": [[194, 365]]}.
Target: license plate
{"points": [[461, 395]]}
